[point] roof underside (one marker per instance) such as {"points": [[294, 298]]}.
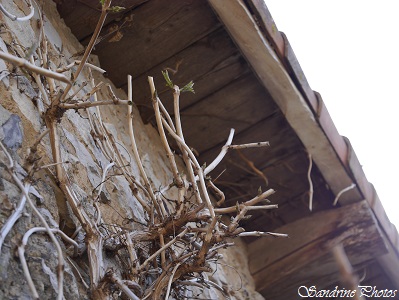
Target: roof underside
{"points": [[189, 40]]}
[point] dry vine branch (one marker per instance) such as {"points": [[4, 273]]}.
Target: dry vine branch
{"points": [[310, 182], [352, 186], [24, 188], [19, 19], [135, 150], [104, 12], [20, 62]]}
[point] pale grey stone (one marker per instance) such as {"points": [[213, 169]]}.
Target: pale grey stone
{"points": [[12, 133]]}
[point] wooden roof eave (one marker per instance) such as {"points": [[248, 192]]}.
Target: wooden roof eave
{"points": [[273, 75], [306, 256], [309, 118]]}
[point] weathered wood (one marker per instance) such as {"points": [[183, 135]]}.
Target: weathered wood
{"points": [[159, 31], [291, 208], [322, 273], [225, 109], [274, 261], [210, 63], [294, 188], [272, 74], [274, 129], [375, 275], [82, 15], [390, 263], [295, 185], [267, 25]]}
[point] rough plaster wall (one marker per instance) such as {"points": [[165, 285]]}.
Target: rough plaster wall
{"points": [[20, 124]]}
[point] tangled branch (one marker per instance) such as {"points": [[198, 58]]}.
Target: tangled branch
{"points": [[182, 232]]}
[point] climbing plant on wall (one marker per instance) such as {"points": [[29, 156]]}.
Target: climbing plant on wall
{"points": [[169, 251]]}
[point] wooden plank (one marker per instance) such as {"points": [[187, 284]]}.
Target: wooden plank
{"points": [[82, 15], [322, 273], [267, 24], [283, 49], [210, 63], [273, 129], [377, 276], [347, 157], [272, 74], [373, 275], [290, 209], [298, 207], [159, 31], [288, 176], [225, 109], [288, 58], [311, 238], [389, 263], [373, 199]]}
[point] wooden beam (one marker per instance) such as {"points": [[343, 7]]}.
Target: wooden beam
{"points": [[227, 108], [159, 30], [266, 64], [342, 146], [267, 24], [247, 35], [322, 273], [82, 16], [283, 261], [390, 261], [273, 129], [210, 63]]}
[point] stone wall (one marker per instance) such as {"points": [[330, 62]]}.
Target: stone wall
{"points": [[21, 122]]}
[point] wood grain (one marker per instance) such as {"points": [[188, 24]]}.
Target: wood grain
{"points": [[311, 239], [159, 31]]}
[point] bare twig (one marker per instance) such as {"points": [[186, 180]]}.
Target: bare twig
{"points": [[122, 285], [87, 104], [221, 155], [77, 62], [8, 225], [136, 152], [198, 168], [19, 19], [169, 153], [171, 279], [249, 145], [135, 264], [166, 246], [352, 186], [260, 233], [90, 46], [251, 202], [310, 182], [218, 192], [77, 271], [179, 131], [20, 62]]}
